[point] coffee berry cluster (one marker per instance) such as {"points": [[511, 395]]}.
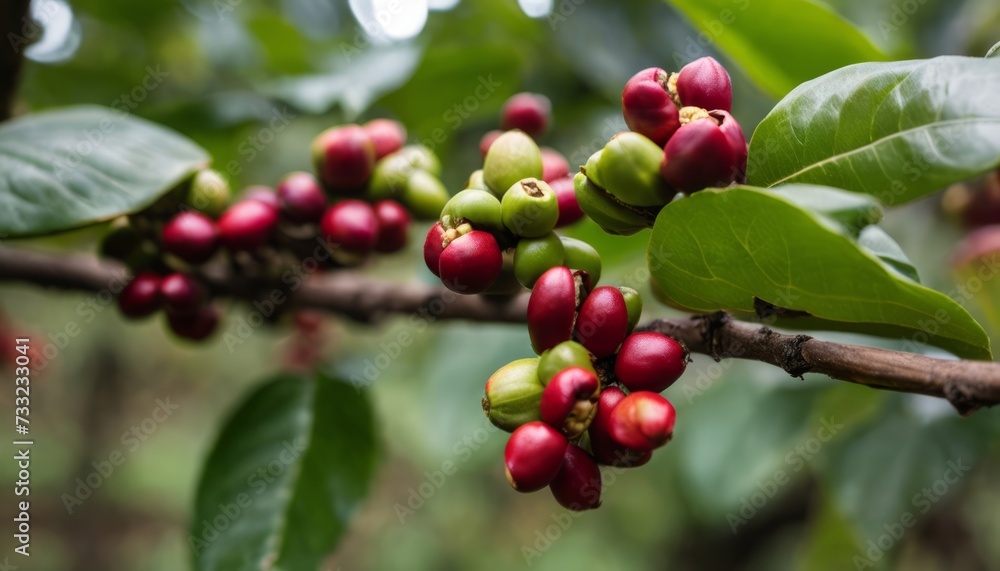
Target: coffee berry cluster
{"points": [[682, 138], [591, 397], [497, 235], [367, 187]]}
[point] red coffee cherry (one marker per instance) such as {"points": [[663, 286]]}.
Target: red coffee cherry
{"points": [[642, 421], [393, 226], [705, 83], [705, 153], [552, 308], [569, 400], [387, 136], [181, 293], [650, 361], [351, 225], [141, 297], [433, 246], [196, 325], [554, 165], [247, 225], [602, 323], [191, 236], [528, 112], [647, 106], [569, 209], [577, 486], [344, 157], [301, 198], [533, 456], [606, 449], [260, 193], [487, 141], [471, 263]]}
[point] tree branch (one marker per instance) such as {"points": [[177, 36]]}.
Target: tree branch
{"points": [[968, 385]]}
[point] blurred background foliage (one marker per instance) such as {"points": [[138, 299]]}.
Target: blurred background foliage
{"points": [[253, 81]]}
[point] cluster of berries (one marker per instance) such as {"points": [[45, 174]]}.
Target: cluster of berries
{"points": [[591, 397], [682, 139], [497, 235], [369, 185]]}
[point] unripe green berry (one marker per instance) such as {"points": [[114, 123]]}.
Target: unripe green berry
{"points": [[513, 394], [629, 168], [530, 208], [424, 195], [512, 157], [613, 217], [564, 355], [390, 176], [534, 256], [633, 304], [476, 181], [582, 256], [478, 207], [420, 157], [209, 193]]}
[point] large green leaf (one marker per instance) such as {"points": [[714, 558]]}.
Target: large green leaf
{"points": [[897, 131], [724, 248], [284, 477], [76, 166], [779, 43]]}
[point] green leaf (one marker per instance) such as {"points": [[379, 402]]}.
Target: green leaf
{"points": [[877, 242], [722, 248], [284, 477], [897, 131], [779, 43], [80, 165]]}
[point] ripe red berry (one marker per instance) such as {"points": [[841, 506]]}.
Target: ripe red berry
{"points": [[471, 263], [554, 165], [387, 136], [301, 198], [705, 153], [569, 209], [642, 421], [191, 236], [344, 157], [393, 226], [647, 106], [577, 486], [181, 293], [650, 361], [433, 248], [533, 456], [528, 112], [196, 325], [705, 83], [351, 225], [569, 400], [247, 225], [606, 449], [602, 323], [487, 141], [141, 297], [552, 308], [260, 193]]}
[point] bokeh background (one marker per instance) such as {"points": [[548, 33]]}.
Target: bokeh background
{"points": [[254, 81]]}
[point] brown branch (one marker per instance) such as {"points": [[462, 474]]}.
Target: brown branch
{"points": [[968, 385], [13, 22]]}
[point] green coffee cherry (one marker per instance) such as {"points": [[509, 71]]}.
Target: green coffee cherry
{"points": [[478, 207], [534, 256], [512, 157], [507, 283], [633, 304], [420, 157], [530, 208], [209, 193], [563, 355], [476, 181], [513, 395], [629, 168], [389, 177], [613, 217], [580, 255], [424, 195]]}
